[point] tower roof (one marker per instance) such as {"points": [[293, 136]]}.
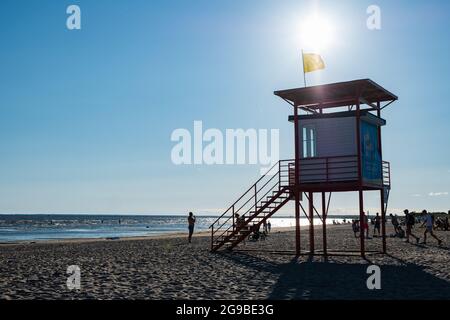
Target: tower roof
{"points": [[364, 91]]}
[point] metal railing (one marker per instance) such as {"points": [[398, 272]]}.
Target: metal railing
{"points": [[325, 170], [282, 175], [247, 204], [386, 174]]}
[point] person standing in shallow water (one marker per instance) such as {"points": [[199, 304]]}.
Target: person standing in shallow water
{"points": [[191, 223]]}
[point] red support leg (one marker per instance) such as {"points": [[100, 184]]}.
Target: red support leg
{"points": [[297, 181], [382, 199], [361, 223], [383, 220], [361, 200], [297, 223], [311, 223], [324, 224]]}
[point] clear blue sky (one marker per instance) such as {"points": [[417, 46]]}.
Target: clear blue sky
{"points": [[86, 116]]}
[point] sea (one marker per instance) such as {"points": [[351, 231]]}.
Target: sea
{"points": [[35, 227]]}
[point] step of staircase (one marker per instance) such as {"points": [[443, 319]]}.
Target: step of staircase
{"points": [[283, 196], [252, 219], [267, 203], [262, 214], [262, 203]]}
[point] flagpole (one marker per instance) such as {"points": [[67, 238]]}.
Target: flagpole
{"points": [[303, 67]]}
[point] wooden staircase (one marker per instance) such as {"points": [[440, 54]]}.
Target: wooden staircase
{"points": [[262, 200]]}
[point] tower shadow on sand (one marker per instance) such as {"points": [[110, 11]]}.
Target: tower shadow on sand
{"points": [[305, 279]]}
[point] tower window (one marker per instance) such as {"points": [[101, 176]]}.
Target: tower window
{"points": [[309, 142]]}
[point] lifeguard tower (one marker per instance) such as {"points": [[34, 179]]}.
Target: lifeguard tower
{"points": [[337, 129]]}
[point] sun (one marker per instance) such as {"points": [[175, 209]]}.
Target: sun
{"points": [[317, 32]]}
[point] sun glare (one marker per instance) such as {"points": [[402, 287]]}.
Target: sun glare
{"points": [[316, 33]]}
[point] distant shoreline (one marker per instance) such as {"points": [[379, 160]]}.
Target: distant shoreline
{"points": [[162, 236], [64, 227], [38, 228], [336, 216], [340, 216]]}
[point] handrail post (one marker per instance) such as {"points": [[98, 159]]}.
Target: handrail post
{"points": [[256, 199], [279, 173], [232, 212], [389, 170], [212, 237]]}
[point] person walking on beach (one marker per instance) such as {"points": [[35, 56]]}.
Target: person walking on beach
{"points": [[377, 224], [355, 227], [269, 226], [428, 221], [191, 223], [409, 222], [265, 226], [394, 222], [365, 226]]}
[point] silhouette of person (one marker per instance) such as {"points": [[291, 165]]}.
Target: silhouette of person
{"points": [[191, 224]]}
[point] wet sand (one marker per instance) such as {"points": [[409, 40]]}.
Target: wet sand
{"points": [[168, 267]]}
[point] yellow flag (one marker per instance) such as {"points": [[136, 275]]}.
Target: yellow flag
{"points": [[312, 62]]}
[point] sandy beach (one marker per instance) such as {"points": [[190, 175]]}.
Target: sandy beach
{"points": [[168, 267]]}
